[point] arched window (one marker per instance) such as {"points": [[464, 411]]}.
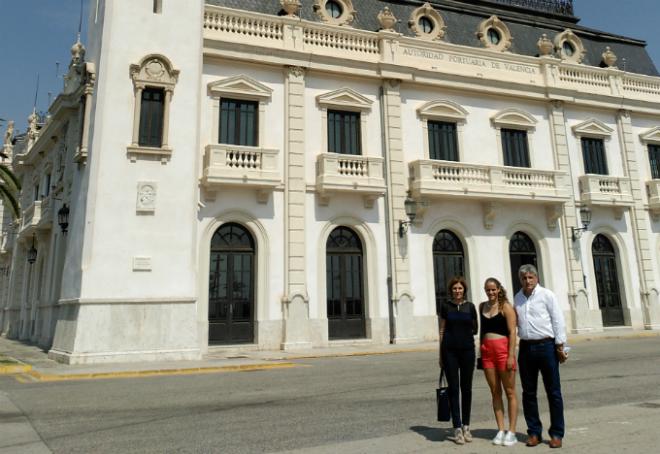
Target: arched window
{"points": [[521, 252], [607, 281], [344, 282], [231, 285], [448, 261]]}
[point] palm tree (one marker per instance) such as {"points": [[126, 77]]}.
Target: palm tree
{"points": [[9, 190]]}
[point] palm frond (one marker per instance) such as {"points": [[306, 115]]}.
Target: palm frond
{"points": [[9, 178], [10, 199]]}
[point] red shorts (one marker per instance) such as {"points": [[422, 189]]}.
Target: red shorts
{"points": [[495, 352]]}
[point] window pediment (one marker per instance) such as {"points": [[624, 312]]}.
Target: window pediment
{"points": [[443, 110], [240, 86], [652, 136], [514, 118], [344, 98], [155, 71], [592, 128]]}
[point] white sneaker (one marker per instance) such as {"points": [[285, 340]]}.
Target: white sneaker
{"points": [[510, 439], [459, 439], [467, 434], [499, 438]]}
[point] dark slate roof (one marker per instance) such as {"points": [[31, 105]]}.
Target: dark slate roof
{"points": [[462, 18]]}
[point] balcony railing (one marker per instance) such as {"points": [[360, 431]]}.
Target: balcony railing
{"points": [[38, 216], [362, 175], [239, 166], [605, 190], [226, 27], [430, 178]]}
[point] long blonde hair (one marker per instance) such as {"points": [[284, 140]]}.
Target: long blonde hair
{"points": [[501, 293]]}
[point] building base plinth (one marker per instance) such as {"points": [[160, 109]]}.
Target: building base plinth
{"points": [[124, 357]]}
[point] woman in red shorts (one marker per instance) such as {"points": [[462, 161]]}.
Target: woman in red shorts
{"points": [[498, 356]]}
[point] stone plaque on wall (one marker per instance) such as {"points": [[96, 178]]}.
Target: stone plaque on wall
{"points": [[146, 197]]}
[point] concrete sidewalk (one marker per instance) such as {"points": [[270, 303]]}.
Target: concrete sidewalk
{"points": [[613, 429], [37, 366]]}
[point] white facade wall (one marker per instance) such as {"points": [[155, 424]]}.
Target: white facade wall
{"points": [[104, 308]]}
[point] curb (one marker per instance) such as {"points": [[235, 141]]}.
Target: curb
{"points": [[16, 368], [38, 376]]}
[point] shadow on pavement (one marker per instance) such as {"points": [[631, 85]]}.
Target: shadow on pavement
{"points": [[433, 433]]}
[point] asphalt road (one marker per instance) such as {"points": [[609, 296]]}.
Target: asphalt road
{"points": [[325, 405]]}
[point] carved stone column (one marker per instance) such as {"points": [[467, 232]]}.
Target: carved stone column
{"points": [[397, 192], [639, 219], [297, 331]]}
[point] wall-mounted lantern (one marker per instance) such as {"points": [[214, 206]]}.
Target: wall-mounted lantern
{"points": [[585, 215], [411, 212], [32, 253], [63, 218]]}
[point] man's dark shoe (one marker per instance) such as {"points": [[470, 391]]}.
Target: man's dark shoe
{"points": [[555, 442], [534, 440]]}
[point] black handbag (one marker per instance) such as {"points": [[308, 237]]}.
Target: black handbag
{"points": [[442, 398]]}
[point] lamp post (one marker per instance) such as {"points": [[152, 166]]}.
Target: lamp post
{"points": [[411, 212], [585, 216]]}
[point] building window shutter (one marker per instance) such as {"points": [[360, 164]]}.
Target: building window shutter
{"points": [[239, 122], [151, 117], [654, 159], [443, 142], [593, 153], [515, 148], [344, 132]]}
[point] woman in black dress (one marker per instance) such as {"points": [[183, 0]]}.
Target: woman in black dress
{"points": [[458, 326]]}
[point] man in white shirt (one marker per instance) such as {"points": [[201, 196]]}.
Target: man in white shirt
{"points": [[542, 333]]}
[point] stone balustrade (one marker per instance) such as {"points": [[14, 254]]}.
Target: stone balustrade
{"points": [[605, 190], [241, 166], [226, 26], [432, 178], [37, 216], [349, 173]]}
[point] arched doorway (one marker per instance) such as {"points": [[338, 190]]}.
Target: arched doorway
{"points": [[448, 261], [231, 286], [521, 252], [607, 281], [344, 282]]}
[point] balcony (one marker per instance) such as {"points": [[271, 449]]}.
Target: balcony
{"points": [[337, 173], [38, 216], [604, 190], [489, 185], [653, 191], [240, 166], [449, 179]]}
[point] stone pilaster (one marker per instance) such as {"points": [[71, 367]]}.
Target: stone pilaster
{"points": [[396, 194], [639, 220], [582, 317], [297, 332]]}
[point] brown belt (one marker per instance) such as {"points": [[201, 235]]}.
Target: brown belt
{"points": [[536, 341]]}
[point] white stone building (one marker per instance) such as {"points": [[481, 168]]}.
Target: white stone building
{"points": [[237, 173]]}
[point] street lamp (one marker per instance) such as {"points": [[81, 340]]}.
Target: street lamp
{"points": [[32, 253], [585, 215], [63, 218], [411, 212]]}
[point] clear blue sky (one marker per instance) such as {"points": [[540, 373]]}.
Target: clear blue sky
{"points": [[34, 34]]}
